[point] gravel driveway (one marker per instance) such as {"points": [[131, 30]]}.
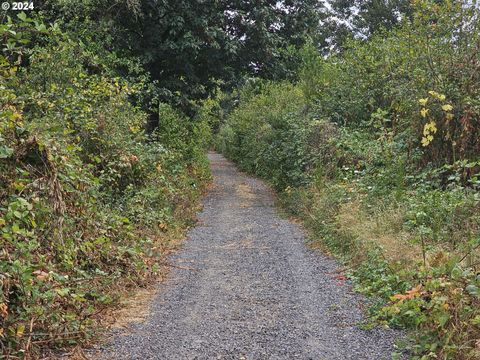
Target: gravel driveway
{"points": [[247, 287]]}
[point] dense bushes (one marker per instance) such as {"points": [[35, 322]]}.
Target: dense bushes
{"points": [[376, 149], [265, 133], [87, 198]]}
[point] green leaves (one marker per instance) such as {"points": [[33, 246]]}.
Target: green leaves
{"points": [[63, 292], [22, 16], [473, 290], [382, 169], [80, 182], [5, 152]]}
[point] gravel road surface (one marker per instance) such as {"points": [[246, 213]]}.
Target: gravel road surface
{"points": [[247, 287]]}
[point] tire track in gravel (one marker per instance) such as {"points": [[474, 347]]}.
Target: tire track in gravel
{"points": [[255, 290]]}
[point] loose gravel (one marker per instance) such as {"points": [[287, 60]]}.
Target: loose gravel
{"points": [[245, 286]]}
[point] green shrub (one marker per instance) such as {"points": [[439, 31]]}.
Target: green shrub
{"points": [[376, 150], [266, 135], [86, 196]]}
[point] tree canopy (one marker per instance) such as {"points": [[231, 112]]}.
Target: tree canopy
{"points": [[190, 47]]}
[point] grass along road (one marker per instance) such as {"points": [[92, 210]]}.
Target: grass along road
{"points": [[245, 286]]}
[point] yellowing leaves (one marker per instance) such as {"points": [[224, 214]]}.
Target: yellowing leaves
{"points": [[20, 331], [429, 129], [436, 95], [410, 294], [424, 112], [437, 104], [134, 129], [17, 115], [41, 275], [423, 102], [163, 226], [3, 310], [426, 140], [18, 186], [3, 315]]}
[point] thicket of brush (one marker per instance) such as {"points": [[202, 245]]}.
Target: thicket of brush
{"points": [[88, 199], [377, 149]]}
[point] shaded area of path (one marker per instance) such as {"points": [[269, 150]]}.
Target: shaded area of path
{"points": [[245, 286]]}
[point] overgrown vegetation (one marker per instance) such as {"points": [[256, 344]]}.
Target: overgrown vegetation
{"points": [[106, 110], [105, 118], [87, 197], [377, 150]]}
